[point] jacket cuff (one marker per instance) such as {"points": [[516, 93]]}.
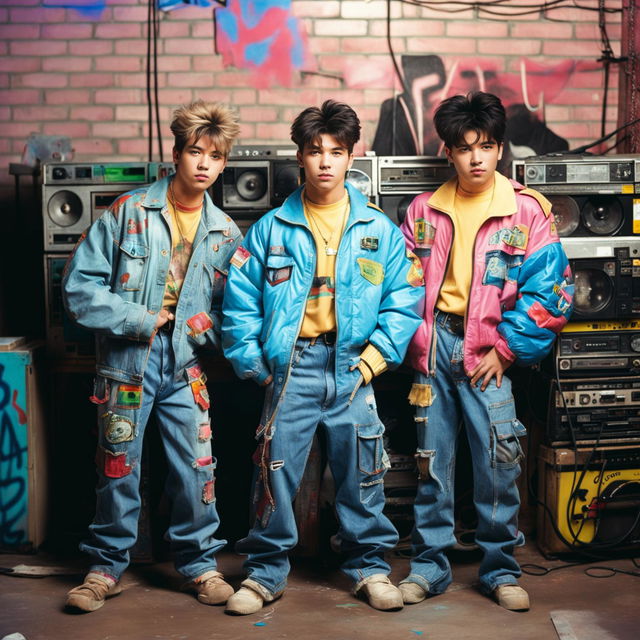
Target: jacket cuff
{"points": [[374, 360], [503, 349], [262, 375], [140, 324]]}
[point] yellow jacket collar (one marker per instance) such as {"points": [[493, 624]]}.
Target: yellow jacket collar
{"points": [[503, 203]]}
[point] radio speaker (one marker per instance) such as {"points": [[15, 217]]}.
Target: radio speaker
{"points": [[245, 185]]}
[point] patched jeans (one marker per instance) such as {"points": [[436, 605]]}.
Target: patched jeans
{"points": [[493, 431], [356, 457], [181, 412]]}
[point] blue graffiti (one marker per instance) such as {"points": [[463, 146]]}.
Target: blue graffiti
{"points": [[253, 11], [13, 469], [90, 8], [257, 52]]}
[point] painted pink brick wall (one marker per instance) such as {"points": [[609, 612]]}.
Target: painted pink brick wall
{"points": [[64, 72]]}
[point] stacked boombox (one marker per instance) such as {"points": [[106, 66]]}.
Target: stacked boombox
{"points": [[590, 475]]}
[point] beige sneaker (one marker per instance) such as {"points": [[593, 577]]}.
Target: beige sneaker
{"points": [[380, 593], [210, 588], [512, 597], [412, 593], [244, 602], [92, 593]]}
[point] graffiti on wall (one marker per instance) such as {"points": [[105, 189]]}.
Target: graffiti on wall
{"points": [[263, 36], [89, 8], [405, 123], [13, 455]]}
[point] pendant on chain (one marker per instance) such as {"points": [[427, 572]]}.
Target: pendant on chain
{"points": [[330, 252]]}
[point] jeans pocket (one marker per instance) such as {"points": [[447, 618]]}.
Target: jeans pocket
{"points": [[372, 460], [506, 430]]}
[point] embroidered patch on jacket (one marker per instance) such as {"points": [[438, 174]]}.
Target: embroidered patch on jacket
{"points": [[138, 226], [240, 257], [370, 243], [415, 274], [517, 236], [500, 267], [564, 291], [277, 250], [371, 270], [423, 233], [129, 396], [198, 324]]}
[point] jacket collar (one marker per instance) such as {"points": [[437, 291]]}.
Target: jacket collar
{"points": [[503, 203], [292, 210], [156, 198]]}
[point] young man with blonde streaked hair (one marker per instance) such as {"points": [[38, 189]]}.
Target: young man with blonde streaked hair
{"points": [[148, 278]]}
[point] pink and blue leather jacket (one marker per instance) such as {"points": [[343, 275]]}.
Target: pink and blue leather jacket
{"points": [[521, 289]]}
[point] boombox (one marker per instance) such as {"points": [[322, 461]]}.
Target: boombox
{"points": [[591, 195], [606, 274], [590, 497], [591, 410], [401, 178], [74, 195], [598, 349]]}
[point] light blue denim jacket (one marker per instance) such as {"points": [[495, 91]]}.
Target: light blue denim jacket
{"points": [[114, 282], [376, 297]]}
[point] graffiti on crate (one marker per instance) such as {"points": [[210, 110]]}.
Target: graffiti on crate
{"points": [[13, 462], [263, 36]]}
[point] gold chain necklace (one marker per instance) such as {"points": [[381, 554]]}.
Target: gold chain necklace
{"points": [[329, 251]]}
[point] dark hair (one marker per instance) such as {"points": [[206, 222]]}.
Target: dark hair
{"points": [[335, 118], [478, 111]]}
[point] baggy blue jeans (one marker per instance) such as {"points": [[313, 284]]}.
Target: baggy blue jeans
{"points": [[357, 460], [493, 431], [181, 411]]}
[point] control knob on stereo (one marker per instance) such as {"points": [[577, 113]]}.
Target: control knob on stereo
{"points": [[577, 345], [634, 343], [635, 363], [59, 173]]}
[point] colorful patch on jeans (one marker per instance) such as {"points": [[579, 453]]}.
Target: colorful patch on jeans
{"points": [[415, 274], [424, 233], [517, 236], [371, 270], [205, 461], [117, 428], [500, 267], [200, 393], [129, 396], [198, 324], [239, 258], [204, 432], [194, 373], [112, 465], [208, 492], [370, 243]]}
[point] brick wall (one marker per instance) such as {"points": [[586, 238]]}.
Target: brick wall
{"points": [[62, 72]]}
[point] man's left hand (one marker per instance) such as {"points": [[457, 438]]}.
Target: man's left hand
{"points": [[493, 364]]}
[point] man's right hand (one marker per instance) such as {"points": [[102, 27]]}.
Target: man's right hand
{"points": [[164, 316], [267, 382]]}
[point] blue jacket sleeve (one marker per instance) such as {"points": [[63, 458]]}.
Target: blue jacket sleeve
{"points": [[402, 299], [543, 307], [242, 309], [86, 287]]}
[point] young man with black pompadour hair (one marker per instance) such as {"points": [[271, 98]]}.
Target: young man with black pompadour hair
{"points": [[498, 289], [321, 298]]}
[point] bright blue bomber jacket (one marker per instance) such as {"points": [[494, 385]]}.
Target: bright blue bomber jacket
{"points": [[271, 274]]}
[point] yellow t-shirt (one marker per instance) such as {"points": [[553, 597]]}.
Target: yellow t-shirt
{"points": [[327, 222], [184, 225], [469, 212]]}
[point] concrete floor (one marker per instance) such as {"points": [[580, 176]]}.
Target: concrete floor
{"points": [[317, 605]]}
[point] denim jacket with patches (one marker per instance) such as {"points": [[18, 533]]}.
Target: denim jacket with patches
{"points": [[376, 297], [114, 282], [521, 288]]}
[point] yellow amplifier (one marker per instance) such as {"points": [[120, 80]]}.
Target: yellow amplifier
{"points": [[592, 497], [602, 325]]}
